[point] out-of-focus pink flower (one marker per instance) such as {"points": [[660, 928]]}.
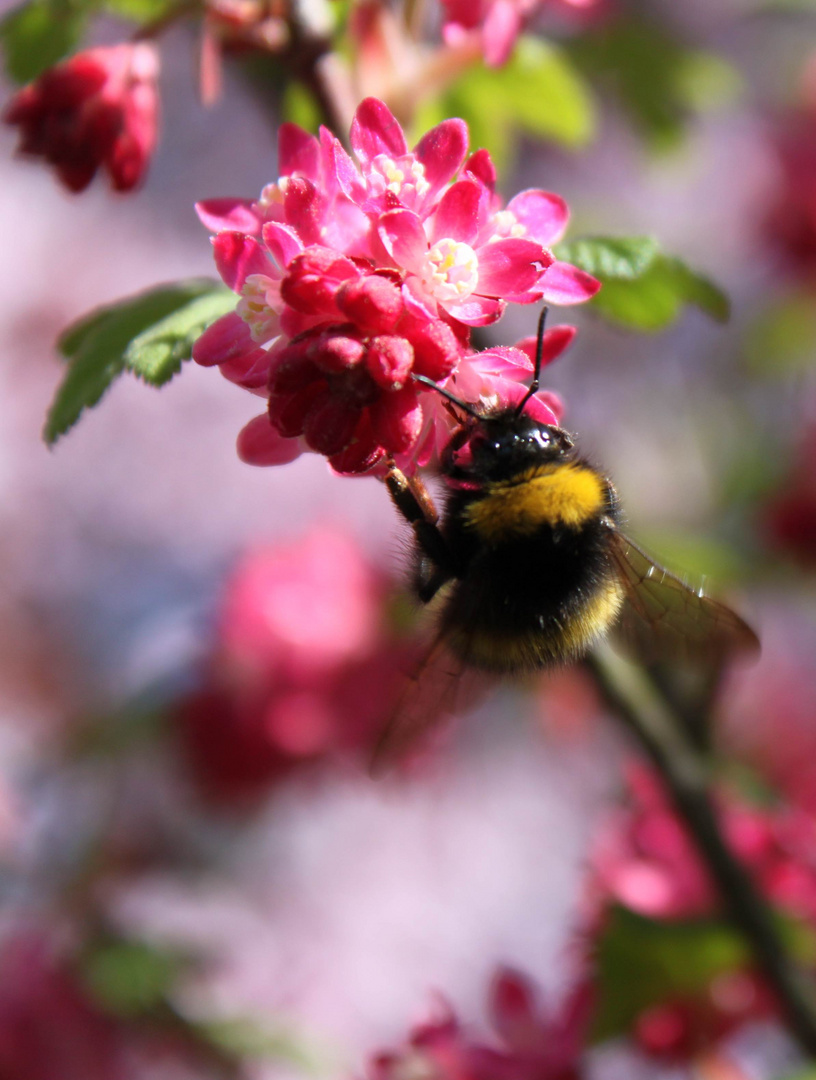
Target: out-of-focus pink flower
{"points": [[789, 517], [530, 1045], [790, 225], [498, 22], [684, 1028], [357, 273], [48, 1026], [99, 108], [769, 716], [305, 666], [646, 861]]}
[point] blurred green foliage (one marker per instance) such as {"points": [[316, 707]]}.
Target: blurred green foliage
{"points": [[539, 92], [781, 340], [128, 978], [36, 35], [658, 80]]}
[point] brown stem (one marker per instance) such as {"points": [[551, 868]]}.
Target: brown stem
{"points": [[631, 694]]}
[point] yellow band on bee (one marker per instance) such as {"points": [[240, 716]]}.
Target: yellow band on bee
{"points": [[555, 495]]}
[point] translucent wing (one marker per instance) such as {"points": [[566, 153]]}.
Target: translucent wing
{"points": [[440, 687], [664, 619]]}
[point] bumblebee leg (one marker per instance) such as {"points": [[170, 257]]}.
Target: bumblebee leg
{"points": [[414, 503]]}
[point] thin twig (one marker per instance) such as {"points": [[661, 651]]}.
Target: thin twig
{"points": [[632, 695]]}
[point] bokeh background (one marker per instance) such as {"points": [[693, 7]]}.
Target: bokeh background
{"points": [[290, 914]]}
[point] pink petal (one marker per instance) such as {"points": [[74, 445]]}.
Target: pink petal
{"points": [[544, 407], [512, 1010], [546, 403], [304, 209], [441, 151], [236, 215], [283, 242], [477, 310], [418, 303], [511, 266], [460, 212], [556, 340], [500, 29], [237, 256], [375, 130], [480, 165], [544, 215], [298, 152], [226, 339], [259, 444], [340, 168], [502, 360], [404, 238], [251, 370], [564, 283], [396, 420]]}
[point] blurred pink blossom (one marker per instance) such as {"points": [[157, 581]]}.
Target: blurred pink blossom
{"points": [[498, 22], [530, 1045], [98, 108], [49, 1029], [646, 861], [305, 666]]}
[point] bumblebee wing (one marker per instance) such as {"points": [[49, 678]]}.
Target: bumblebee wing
{"points": [[440, 686], [665, 619]]}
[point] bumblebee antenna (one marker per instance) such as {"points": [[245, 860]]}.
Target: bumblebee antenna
{"points": [[533, 387], [447, 394]]}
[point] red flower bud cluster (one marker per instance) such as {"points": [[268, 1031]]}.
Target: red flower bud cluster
{"points": [[97, 109]]}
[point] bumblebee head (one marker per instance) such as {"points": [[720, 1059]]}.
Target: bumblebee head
{"points": [[502, 445]]}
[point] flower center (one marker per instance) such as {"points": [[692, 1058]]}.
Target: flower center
{"points": [[404, 177], [506, 225], [260, 306], [451, 270], [272, 195]]}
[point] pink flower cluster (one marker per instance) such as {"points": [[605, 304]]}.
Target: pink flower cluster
{"points": [[498, 23], [99, 108], [305, 666], [646, 862], [357, 273], [531, 1044]]}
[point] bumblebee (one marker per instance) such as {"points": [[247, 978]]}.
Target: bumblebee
{"points": [[528, 567]]}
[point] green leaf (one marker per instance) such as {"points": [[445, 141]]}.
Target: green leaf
{"points": [[641, 963], [37, 35], [654, 300], [546, 96], [538, 92], [96, 347], [129, 978], [610, 257], [655, 76], [157, 353]]}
